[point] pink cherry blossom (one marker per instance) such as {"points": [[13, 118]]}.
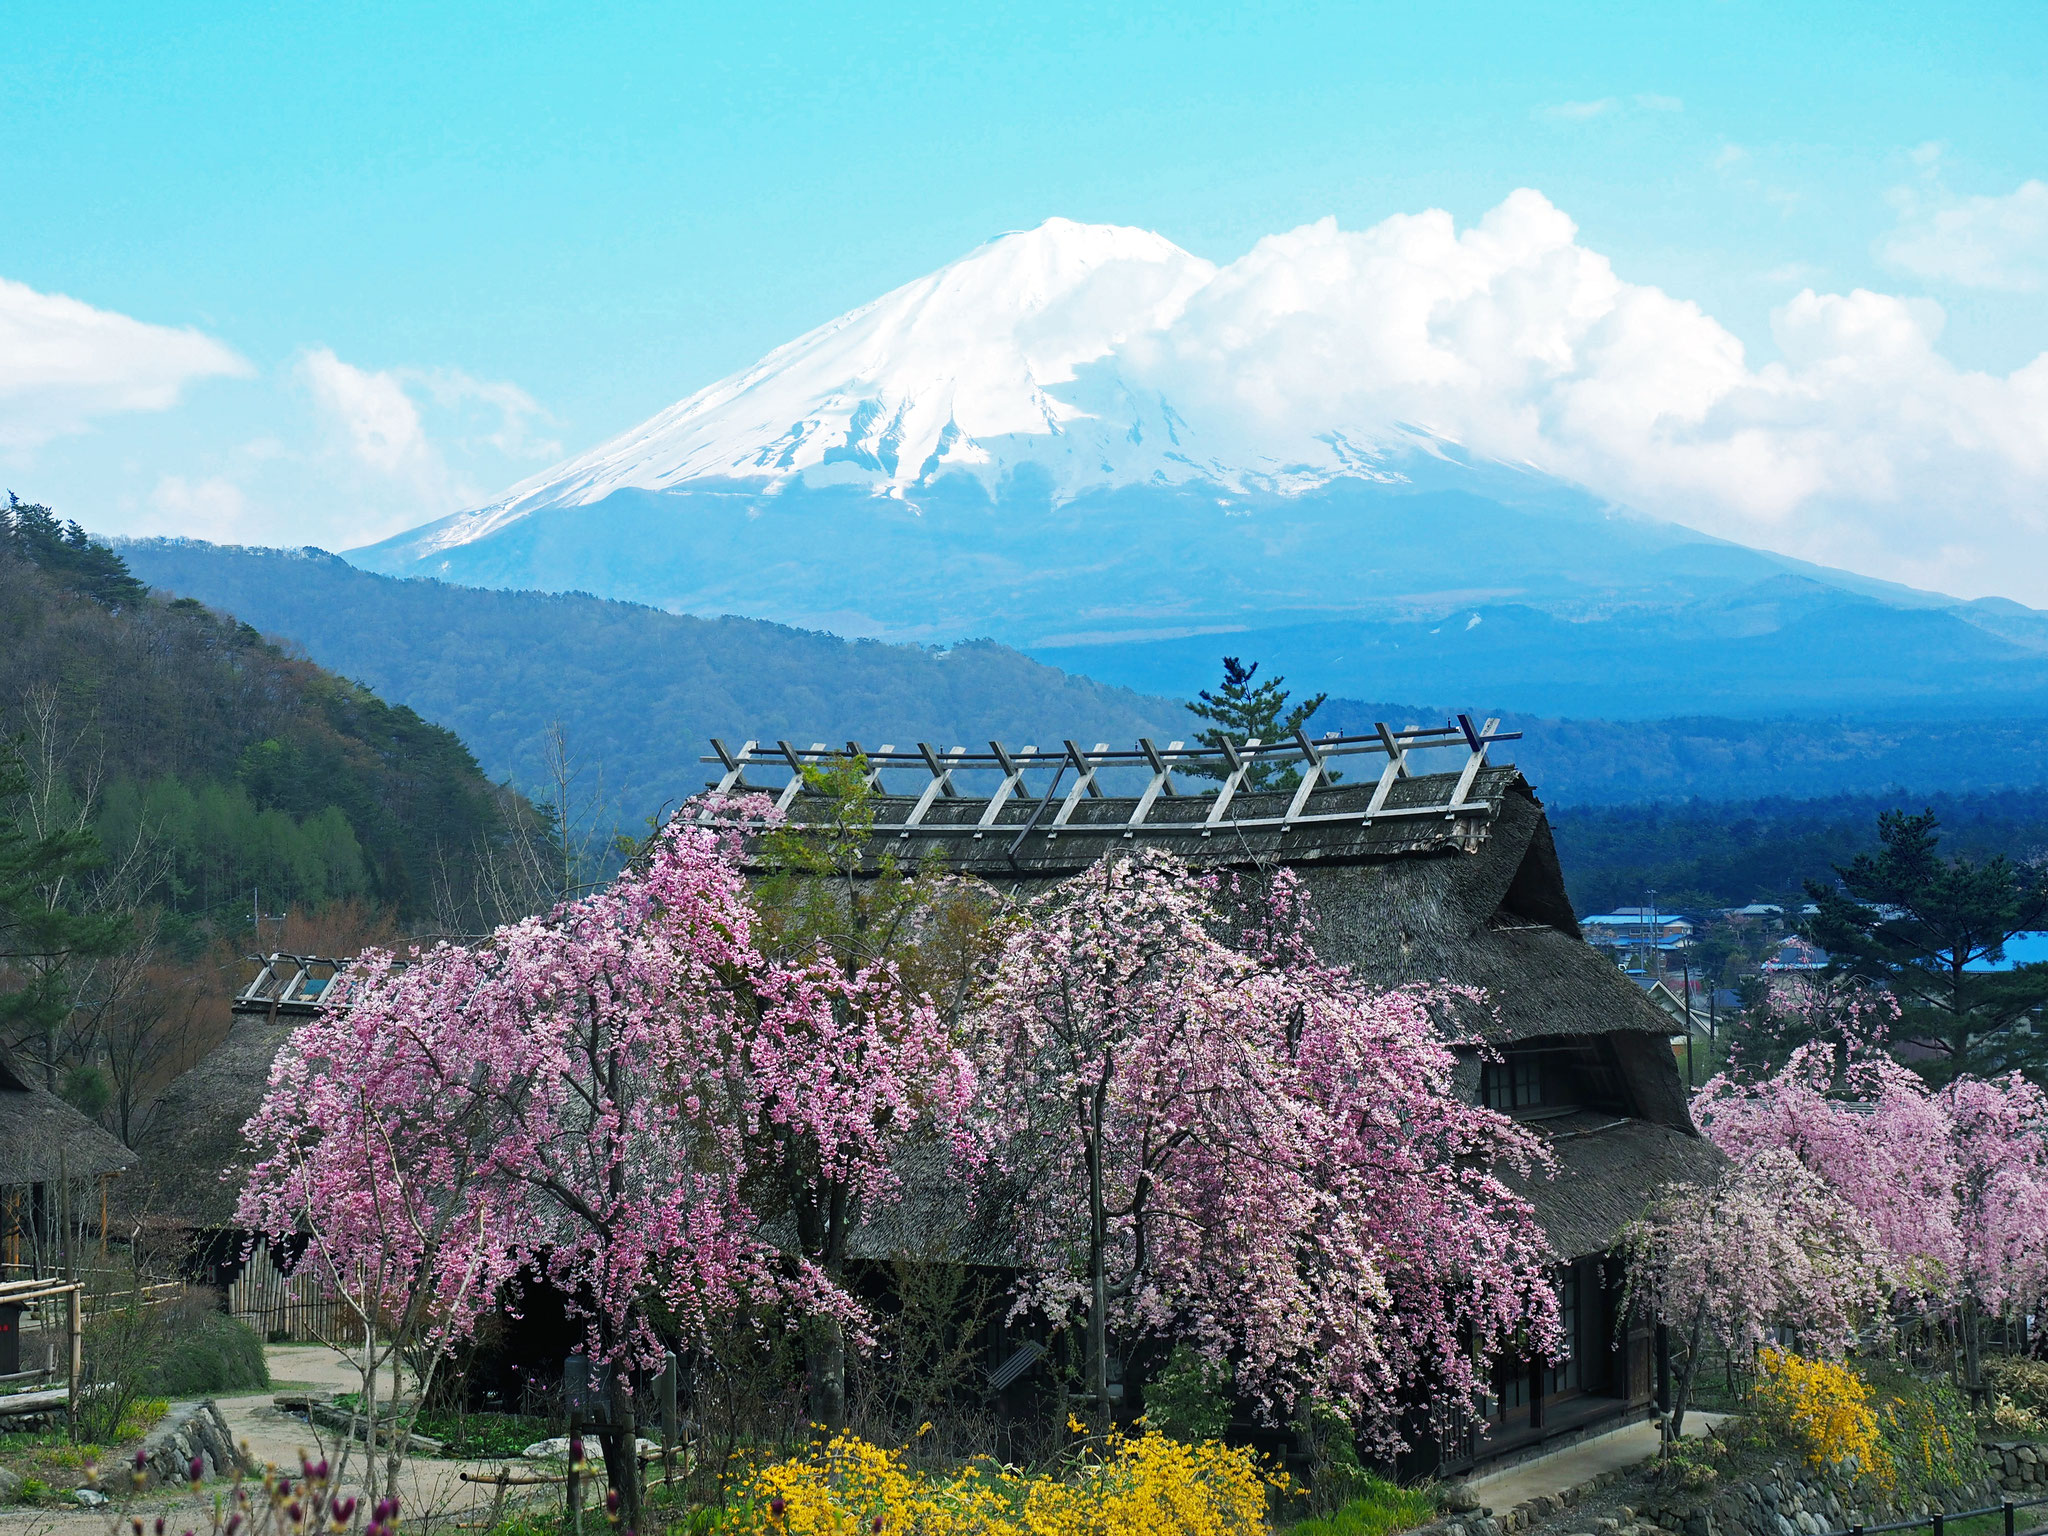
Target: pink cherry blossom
{"points": [[1223, 1141], [1954, 1181]]}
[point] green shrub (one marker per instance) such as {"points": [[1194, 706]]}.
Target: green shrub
{"points": [[210, 1355], [2021, 1380], [1926, 1426], [1379, 1509], [1189, 1398], [484, 1436]]}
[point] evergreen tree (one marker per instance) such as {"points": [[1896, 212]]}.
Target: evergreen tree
{"points": [[1246, 710], [40, 931], [1917, 923], [30, 531]]}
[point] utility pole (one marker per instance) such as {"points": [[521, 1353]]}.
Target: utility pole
{"points": [[1686, 973]]}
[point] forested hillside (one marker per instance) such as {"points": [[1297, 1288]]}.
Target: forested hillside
{"points": [[637, 692], [250, 770], [176, 791], [1709, 811]]}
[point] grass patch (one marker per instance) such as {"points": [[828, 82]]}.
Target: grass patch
{"points": [[485, 1436], [1382, 1508], [143, 1415], [469, 1436]]}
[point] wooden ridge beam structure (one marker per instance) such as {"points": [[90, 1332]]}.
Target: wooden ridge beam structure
{"points": [[1237, 767]]}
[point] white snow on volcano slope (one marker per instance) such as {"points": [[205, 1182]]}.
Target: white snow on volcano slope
{"points": [[971, 367]]}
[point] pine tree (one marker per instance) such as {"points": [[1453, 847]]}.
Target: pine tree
{"points": [[30, 531], [40, 933], [1245, 710], [1920, 926]]}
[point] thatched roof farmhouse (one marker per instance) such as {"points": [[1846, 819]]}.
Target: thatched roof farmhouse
{"points": [[1421, 869], [1417, 875]]}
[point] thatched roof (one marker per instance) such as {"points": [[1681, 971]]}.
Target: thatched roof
{"points": [[193, 1155], [1608, 1170], [43, 1139], [1476, 899]]}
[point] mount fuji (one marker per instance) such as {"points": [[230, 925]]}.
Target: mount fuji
{"points": [[1023, 446]]}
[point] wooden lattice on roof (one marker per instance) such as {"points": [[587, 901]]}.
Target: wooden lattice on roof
{"points": [[1019, 805], [287, 986]]}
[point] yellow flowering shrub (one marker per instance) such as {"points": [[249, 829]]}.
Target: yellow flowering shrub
{"points": [[1824, 1408], [1149, 1486]]}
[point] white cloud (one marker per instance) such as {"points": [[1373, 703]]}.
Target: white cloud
{"points": [[375, 421], [1861, 445], [63, 363], [1978, 242], [375, 418], [516, 411], [1606, 106], [213, 508]]}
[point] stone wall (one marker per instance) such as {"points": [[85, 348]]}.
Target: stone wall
{"points": [[1790, 1500], [190, 1431], [2020, 1465]]}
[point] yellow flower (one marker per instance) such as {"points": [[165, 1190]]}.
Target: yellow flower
{"points": [[1824, 1408], [1150, 1486]]}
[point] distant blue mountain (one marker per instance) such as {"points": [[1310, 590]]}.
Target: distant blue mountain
{"points": [[988, 452], [1548, 604]]}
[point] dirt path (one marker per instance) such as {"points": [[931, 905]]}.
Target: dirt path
{"points": [[429, 1490]]}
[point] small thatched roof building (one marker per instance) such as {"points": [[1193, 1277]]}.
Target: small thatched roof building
{"points": [[1416, 876], [45, 1144], [43, 1139], [193, 1158]]}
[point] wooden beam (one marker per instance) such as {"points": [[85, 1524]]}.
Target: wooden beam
{"points": [[735, 766], [1472, 764], [1013, 780], [1085, 785], [1310, 776], [942, 782], [1162, 778], [1239, 767]]}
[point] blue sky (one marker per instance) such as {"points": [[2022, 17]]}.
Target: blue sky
{"points": [[541, 223]]}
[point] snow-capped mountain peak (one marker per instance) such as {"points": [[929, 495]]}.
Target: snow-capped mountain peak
{"points": [[942, 373]]}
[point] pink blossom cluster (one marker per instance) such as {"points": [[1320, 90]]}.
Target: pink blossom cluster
{"points": [[1288, 1180], [1953, 1181], [594, 1094], [1771, 1246], [631, 1097]]}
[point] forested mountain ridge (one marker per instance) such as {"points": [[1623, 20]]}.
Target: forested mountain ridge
{"points": [[259, 775], [636, 691]]}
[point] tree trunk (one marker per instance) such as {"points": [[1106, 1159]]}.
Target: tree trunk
{"points": [[825, 1361], [1973, 1353], [621, 1441], [1692, 1369], [1098, 1298]]}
